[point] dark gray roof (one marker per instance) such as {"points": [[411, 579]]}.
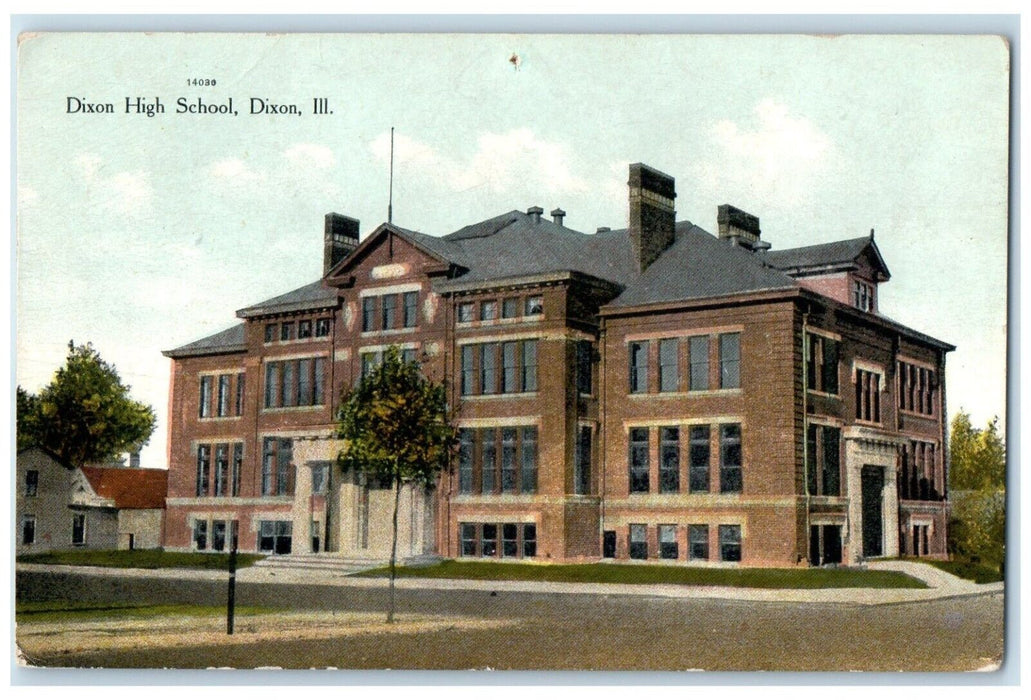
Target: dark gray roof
{"points": [[819, 255], [311, 296], [513, 245], [229, 340], [698, 265]]}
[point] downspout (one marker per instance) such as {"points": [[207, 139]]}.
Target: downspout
{"points": [[805, 430], [602, 432]]}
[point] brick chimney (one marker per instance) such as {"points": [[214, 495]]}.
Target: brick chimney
{"points": [[739, 227], [652, 218], [341, 238]]}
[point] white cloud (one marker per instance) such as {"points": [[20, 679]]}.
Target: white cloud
{"points": [[775, 155], [125, 192], [310, 154], [502, 162], [234, 171]]}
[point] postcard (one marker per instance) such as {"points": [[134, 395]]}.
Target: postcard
{"points": [[570, 352]]}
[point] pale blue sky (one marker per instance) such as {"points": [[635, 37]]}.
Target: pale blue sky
{"points": [[141, 234]]}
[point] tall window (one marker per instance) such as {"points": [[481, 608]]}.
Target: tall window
{"points": [[868, 396], [203, 469], [699, 469], [270, 332], [488, 368], [730, 361], [465, 312], [237, 468], [239, 393], [368, 314], [286, 331], [822, 364], [223, 395], [669, 459], [304, 329], [205, 396], [582, 466], [698, 347], [584, 366], [321, 327], [465, 460], [730, 458], [218, 535], [730, 542], [823, 463], [388, 306], [411, 315], [529, 466], [638, 367], [468, 371], [509, 383], [529, 365], [638, 459], [221, 469], [489, 460], [508, 460], [78, 529], [276, 475], [668, 542], [669, 371]]}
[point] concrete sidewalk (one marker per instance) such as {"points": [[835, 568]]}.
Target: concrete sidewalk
{"points": [[941, 584]]}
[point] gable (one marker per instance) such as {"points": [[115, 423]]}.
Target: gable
{"points": [[389, 253]]}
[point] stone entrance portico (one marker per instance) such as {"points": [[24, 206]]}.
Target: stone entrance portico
{"points": [[867, 447]]}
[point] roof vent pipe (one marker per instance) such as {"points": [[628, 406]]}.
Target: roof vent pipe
{"points": [[603, 229], [557, 214], [535, 214]]}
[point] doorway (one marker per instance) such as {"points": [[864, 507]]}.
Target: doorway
{"points": [[873, 511]]}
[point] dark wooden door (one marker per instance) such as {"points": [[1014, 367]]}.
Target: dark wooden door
{"points": [[873, 516]]}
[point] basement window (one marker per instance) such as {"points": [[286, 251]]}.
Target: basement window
{"points": [[730, 543], [638, 541]]}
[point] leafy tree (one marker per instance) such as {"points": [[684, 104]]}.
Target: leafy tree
{"points": [[27, 415], [977, 479], [978, 456], [85, 414], [397, 430]]}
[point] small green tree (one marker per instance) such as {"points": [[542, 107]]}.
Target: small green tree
{"points": [[396, 429], [27, 416], [85, 414], [977, 480]]}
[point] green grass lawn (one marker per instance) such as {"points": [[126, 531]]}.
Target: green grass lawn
{"points": [[66, 611], [978, 573], [140, 559], [681, 575]]}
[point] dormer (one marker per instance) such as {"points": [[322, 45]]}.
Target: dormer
{"points": [[848, 271]]}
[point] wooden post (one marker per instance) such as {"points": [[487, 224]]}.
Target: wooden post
{"points": [[231, 600]]}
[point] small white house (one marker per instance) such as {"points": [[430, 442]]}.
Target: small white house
{"points": [[61, 507]]}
